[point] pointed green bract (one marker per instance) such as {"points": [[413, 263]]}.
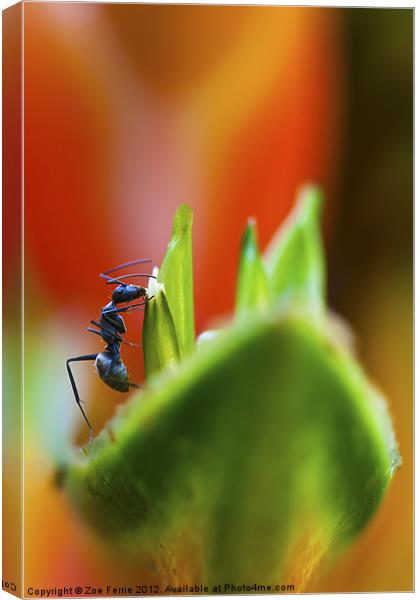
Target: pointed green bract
{"points": [[252, 285], [295, 258], [160, 344], [176, 275], [267, 446]]}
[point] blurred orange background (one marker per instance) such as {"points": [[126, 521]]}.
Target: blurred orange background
{"points": [[131, 110]]}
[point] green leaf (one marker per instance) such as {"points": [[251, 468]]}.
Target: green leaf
{"points": [[252, 285], [266, 447], [176, 275], [295, 259], [160, 344]]}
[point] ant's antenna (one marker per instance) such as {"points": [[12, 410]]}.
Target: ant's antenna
{"points": [[112, 280], [127, 264]]}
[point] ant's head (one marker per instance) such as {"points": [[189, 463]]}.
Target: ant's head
{"points": [[128, 292]]}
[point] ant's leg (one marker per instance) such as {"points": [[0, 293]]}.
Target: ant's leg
{"points": [[73, 385], [132, 344], [93, 331], [109, 317], [127, 264], [120, 340], [131, 307], [108, 314], [112, 322], [114, 311]]}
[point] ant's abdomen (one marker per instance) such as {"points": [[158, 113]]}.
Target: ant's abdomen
{"points": [[112, 371]]}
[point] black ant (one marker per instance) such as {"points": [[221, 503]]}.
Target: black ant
{"points": [[108, 363]]}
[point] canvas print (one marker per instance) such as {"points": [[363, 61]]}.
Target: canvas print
{"points": [[207, 299]]}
